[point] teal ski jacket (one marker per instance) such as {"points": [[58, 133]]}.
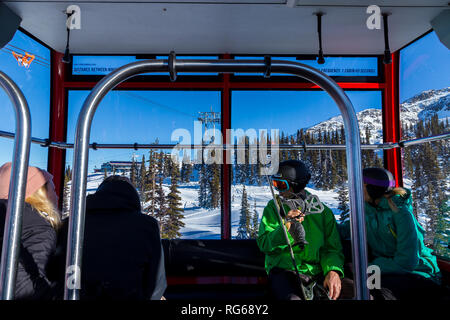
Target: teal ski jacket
{"points": [[396, 239]]}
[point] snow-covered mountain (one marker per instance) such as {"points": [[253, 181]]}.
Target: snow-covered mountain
{"points": [[425, 105], [422, 106], [367, 118]]}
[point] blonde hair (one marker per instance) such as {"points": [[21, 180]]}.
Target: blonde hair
{"points": [[396, 191], [42, 204]]}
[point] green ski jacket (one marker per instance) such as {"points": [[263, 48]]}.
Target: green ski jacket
{"points": [[396, 239], [322, 254]]}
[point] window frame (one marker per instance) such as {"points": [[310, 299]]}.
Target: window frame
{"points": [[226, 83]]}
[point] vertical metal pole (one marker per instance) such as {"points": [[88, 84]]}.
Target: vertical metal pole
{"points": [[16, 197], [80, 168], [353, 149]]}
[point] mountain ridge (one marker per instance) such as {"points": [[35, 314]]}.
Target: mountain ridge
{"points": [[419, 107]]}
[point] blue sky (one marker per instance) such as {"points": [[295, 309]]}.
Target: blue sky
{"points": [[35, 85], [143, 116], [149, 115], [138, 116], [292, 110], [424, 65]]}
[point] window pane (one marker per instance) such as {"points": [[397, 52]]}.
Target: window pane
{"points": [[333, 66], [310, 116], [146, 117], [424, 111], [27, 63]]}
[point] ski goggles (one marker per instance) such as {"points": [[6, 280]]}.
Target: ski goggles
{"points": [[280, 184]]}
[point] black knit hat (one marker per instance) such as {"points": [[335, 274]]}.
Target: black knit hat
{"points": [[378, 181]]}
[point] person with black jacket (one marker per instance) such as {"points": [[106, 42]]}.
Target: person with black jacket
{"points": [[40, 223], [123, 258]]}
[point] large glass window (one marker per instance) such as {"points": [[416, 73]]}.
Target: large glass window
{"points": [[425, 111], [27, 62], [309, 117], [179, 190]]}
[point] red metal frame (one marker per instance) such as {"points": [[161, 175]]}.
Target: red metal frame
{"points": [[226, 168], [57, 157], [391, 118], [225, 85]]}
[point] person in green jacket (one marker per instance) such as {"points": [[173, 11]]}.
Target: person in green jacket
{"points": [[319, 258], [396, 239]]}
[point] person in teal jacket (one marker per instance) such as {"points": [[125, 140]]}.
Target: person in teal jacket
{"points": [[396, 239], [319, 258]]}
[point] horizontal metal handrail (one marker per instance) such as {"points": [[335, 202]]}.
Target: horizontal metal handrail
{"points": [[375, 146]]}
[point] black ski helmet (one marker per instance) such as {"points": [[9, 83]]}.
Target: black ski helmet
{"points": [[378, 182], [295, 172]]}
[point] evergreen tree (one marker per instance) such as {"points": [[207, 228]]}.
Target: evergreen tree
{"points": [[442, 237], [186, 170], [214, 186], [244, 221], [432, 211], [142, 183], [174, 214], [202, 191], [160, 201], [342, 197], [183, 172], [151, 186], [133, 173], [162, 168], [255, 223]]}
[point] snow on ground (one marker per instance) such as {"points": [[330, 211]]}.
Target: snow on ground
{"points": [[201, 223]]}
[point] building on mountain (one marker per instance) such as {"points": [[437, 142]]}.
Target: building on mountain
{"points": [[117, 166]]}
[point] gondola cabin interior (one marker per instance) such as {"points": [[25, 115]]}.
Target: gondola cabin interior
{"points": [[391, 58]]}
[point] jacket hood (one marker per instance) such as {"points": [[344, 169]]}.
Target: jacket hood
{"points": [[118, 195]]}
